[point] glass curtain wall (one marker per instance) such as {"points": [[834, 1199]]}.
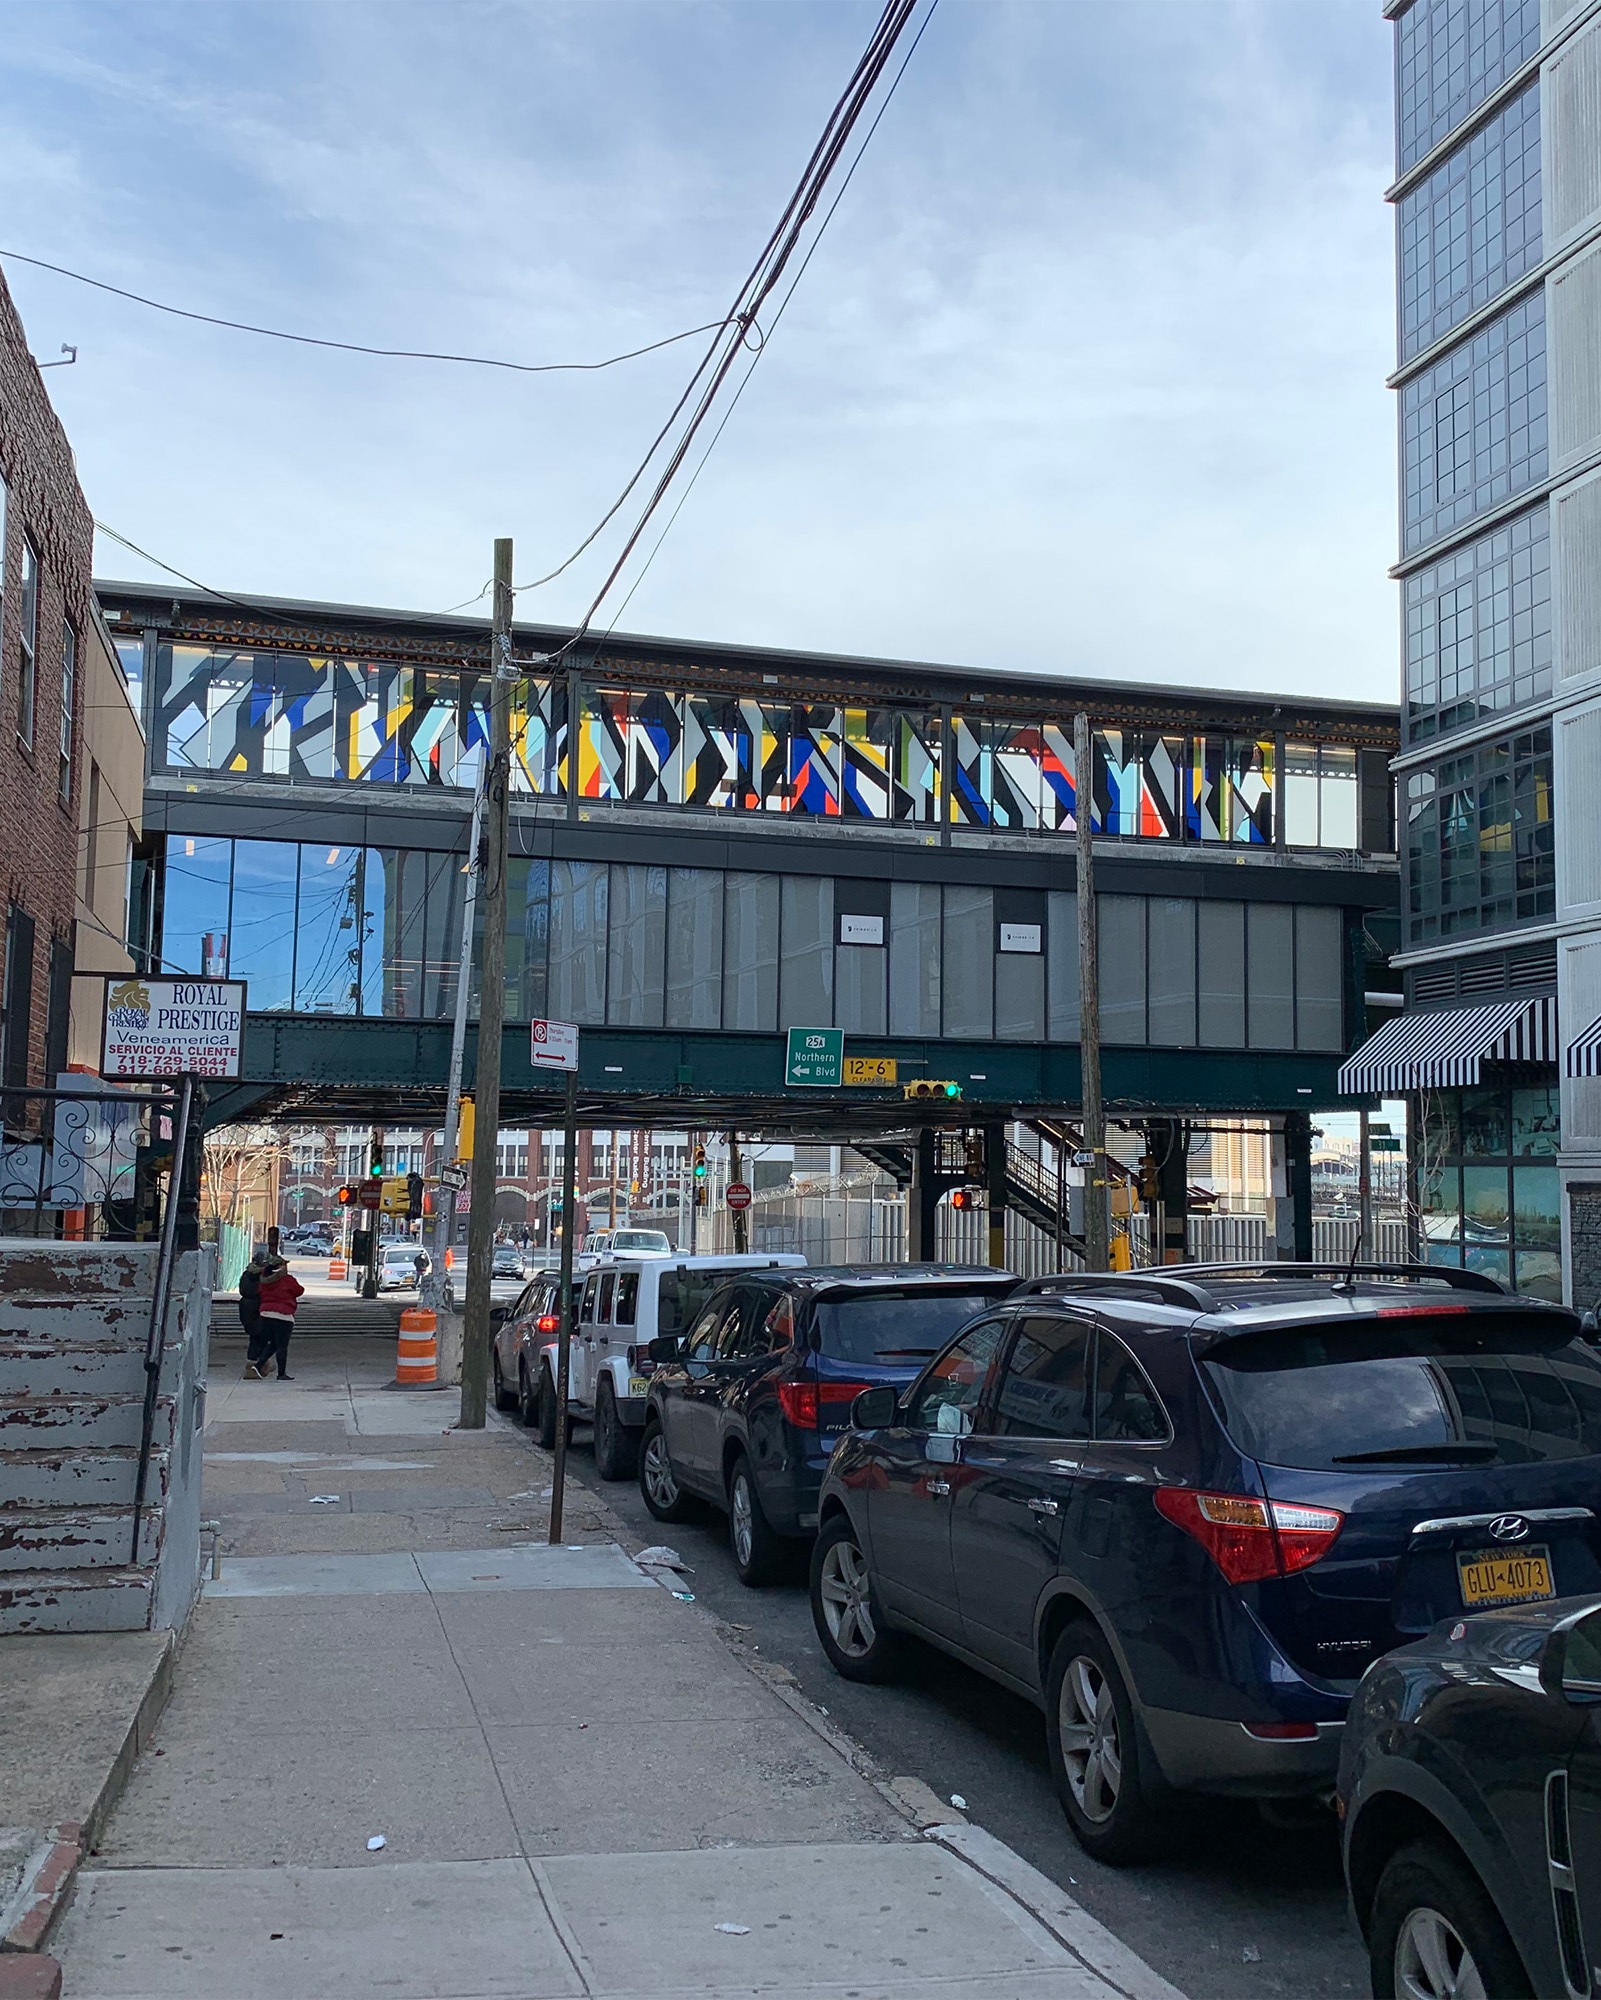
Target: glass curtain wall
{"points": [[1487, 1181]]}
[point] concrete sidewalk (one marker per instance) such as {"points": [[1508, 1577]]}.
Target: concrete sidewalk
{"points": [[580, 1789]]}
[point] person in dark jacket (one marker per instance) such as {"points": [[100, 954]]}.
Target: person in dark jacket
{"points": [[280, 1294], [250, 1316]]}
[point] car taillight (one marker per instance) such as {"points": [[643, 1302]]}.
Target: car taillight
{"points": [[1251, 1539], [1282, 1732], [639, 1361], [804, 1401], [548, 1323]]}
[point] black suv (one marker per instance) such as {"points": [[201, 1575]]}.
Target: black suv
{"points": [[746, 1407]]}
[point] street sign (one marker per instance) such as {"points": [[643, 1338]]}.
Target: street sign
{"points": [[372, 1193], [553, 1044], [737, 1195], [871, 1069], [172, 1027], [1083, 1159], [815, 1058], [453, 1176], [1383, 1145]]}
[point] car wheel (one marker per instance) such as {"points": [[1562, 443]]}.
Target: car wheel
{"points": [[859, 1644], [545, 1420], [658, 1485], [1436, 1935], [616, 1449], [504, 1398], [1095, 1752], [758, 1549]]}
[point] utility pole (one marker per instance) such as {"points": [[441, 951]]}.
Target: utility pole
{"points": [[564, 1337], [491, 1004], [736, 1172], [1096, 1221]]}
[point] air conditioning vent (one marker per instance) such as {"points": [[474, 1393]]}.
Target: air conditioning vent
{"points": [[1537, 966], [1435, 982], [1483, 975]]}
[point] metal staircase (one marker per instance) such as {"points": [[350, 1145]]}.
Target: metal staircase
{"points": [[75, 1319]]}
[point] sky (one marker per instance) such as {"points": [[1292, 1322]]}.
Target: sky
{"points": [[1086, 376]]}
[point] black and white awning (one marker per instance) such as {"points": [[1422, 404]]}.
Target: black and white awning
{"points": [[1433, 1051], [1584, 1052]]}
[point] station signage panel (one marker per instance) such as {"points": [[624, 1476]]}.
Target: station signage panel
{"points": [[172, 1027]]}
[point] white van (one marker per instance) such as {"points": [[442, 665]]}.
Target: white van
{"points": [[626, 1240], [622, 1307]]}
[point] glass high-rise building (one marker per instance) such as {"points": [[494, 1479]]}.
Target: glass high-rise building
{"points": [[1498, 382]]}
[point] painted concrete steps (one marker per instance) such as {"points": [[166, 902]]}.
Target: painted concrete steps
{"points": [[69, 1600], [37, 1367], [75, 1538], [39, 1422], [82, 1476]]}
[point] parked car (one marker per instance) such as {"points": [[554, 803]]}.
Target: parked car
{"points": [[506, 1262], [1470, 1784], [745, 1408], [402, 1266], [519, 1330], [1184, 1511], [620, 1310], [626, 1242]]}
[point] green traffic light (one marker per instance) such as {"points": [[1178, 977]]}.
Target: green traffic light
{"points": [[953, 1090]]}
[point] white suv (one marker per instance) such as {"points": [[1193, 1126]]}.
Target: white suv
{"points": [[619, 1310]]}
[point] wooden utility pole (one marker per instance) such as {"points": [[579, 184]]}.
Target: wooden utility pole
{"points": [[1096, 1221], [736, 1172], [491, 1004]]}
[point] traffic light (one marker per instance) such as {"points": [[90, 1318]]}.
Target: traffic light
{"points": [[348, 1197], [394, 1197], [414, 1196], [700, 1163], [928, 1086], [466, 1129], [1150, 1179], [376, 1165], [964, 1198]]}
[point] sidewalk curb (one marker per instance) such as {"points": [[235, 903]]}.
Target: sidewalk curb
{"points": [[46, 1889], [1089, 1940]]}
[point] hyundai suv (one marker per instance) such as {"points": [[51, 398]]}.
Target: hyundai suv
{"points": [[1184, 1511]]}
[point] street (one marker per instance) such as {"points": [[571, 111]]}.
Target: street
{"points": [[1242, 1906]]}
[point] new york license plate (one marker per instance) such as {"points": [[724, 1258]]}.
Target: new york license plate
{"points": [[1495, 1576]]}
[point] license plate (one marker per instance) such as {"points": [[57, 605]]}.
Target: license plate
{"points": [[639, 1385], [1492, 1576]]}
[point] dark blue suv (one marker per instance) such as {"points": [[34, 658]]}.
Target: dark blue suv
{"points": [[746, 1406], [1184, 1511]]}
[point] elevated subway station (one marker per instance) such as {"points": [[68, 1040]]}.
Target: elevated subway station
{"points": [[711, 844]]}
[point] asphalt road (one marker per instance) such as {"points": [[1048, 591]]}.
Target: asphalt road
{"points": [[1241, 1907]]}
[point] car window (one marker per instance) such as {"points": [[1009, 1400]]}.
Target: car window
{"points": [[591, 1288], [1126, 1406], [680, 1296], [948, 1396], [525, 1302], [1412, 1388], [627, 1307], [877, 1324], [1581, 1666], [742, 1333], [703, 1334], [603, 1307], [779, 1323], [1044, 1391]]}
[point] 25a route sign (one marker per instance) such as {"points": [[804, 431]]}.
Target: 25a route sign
{"points": [[815, 1059]]}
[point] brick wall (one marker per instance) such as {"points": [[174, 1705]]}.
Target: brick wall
{"points": [[38, 830]]}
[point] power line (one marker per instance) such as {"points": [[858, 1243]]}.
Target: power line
{"points": [[356, 347]]}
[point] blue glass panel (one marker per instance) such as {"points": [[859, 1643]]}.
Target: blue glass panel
{"points": [[328, 944], [194, 926], [1478, 628], [1450, 56], [261, 943]]}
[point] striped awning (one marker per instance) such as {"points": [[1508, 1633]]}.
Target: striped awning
{"points": [[1584, 1052], [1431, 1051]]}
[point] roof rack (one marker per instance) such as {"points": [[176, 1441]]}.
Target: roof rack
{"points": [[1187, 1285]]}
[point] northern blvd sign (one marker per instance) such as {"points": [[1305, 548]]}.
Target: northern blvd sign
{"points": [[172, 1027], [553, 1045], [815, 1059]]}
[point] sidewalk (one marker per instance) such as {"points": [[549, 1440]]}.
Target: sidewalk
{"points": [[581, 1791]]}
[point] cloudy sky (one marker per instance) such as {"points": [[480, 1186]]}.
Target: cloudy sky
{"points": [[1086, 377]]}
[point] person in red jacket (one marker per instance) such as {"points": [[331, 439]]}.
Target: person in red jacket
{"points": [[280, 1294]]}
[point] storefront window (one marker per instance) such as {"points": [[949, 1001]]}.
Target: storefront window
{"points": [[1480, 1203]]}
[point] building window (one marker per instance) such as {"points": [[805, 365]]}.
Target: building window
{"points": [[69, 702], [28, 674], [1473, 427], [16, 1026], [1487, 1182], [1320, 795], [1481, 851], [1478, 629], [1473, 227], [1450, 56]]}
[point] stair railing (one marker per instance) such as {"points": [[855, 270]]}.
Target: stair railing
{"points": [[156, 1334]]}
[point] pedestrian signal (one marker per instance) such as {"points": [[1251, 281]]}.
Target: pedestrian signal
{"points": [[348, 1197]]}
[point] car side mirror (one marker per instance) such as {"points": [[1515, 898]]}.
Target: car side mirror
{"points": [[1570, 1659], [665, 1347], [875, 1409]]}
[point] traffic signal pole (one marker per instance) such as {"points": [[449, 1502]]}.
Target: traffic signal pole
{"points": [[1097, 1222], [491, 1004], [435, 1290]]}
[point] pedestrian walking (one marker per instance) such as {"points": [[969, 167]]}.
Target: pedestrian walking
{"points": [[257, 1349], [280, 1294]]}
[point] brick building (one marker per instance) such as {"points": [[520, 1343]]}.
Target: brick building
{"points": [[47, 616]]}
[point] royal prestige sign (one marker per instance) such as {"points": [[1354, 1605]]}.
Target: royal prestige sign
{"points": [[172, 1027]]}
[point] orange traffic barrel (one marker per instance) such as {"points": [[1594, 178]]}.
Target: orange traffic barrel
{"points": [[338, 1268], [417, 1360]]}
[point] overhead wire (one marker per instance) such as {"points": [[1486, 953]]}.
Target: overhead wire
{"points": [[357, 347]]}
